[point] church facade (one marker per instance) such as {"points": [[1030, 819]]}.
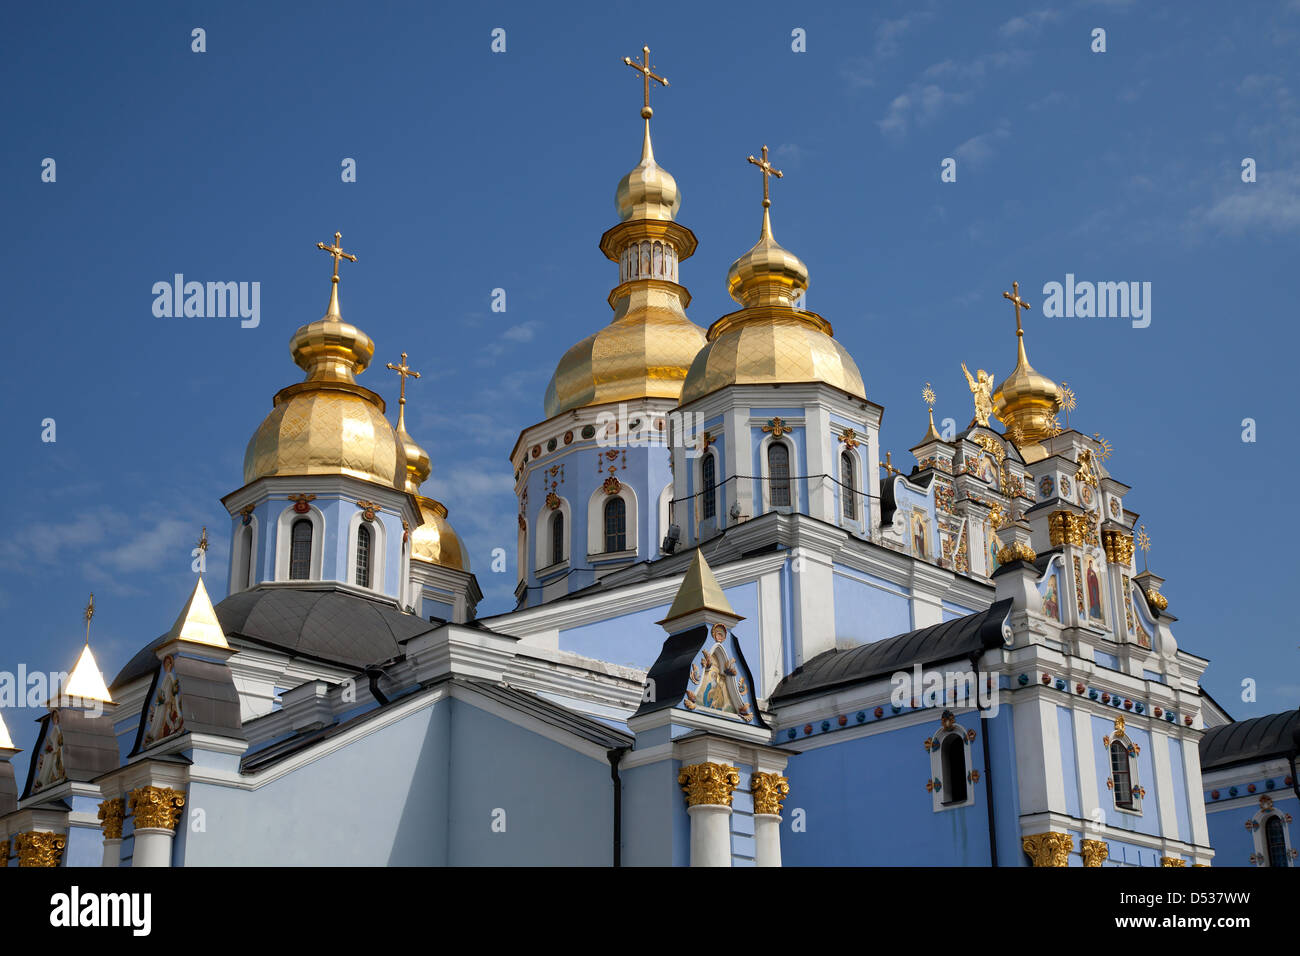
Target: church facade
{"points": [[742, 635]]}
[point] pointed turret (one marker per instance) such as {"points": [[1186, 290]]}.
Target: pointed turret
{"points": [[197, 622], [699, 598]]}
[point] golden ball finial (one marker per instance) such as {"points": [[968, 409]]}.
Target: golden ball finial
{"points": [[647, 112]]}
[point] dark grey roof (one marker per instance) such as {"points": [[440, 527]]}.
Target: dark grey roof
{"points": [[209, 701], [319, 621], [1245, 741], [557, 716], [948, 641], [89, 744], [8, 788]]}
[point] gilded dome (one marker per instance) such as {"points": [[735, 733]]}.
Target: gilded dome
{"points": [[1027, 401], [769, 341], [647, 348], [328, 424], [434, 540]]}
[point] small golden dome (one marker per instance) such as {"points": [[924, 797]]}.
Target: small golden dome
{"points": [[418, 465], [767, 274], [648, 191], [434, 540], [1027, 399], [328, 424]]}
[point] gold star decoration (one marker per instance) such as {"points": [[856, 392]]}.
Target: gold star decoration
{"points": [[1144, 543], [1103, 447], [1067, 401], [927, 396]]}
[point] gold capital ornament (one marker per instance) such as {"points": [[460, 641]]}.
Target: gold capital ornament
{"points": [[156, 807], [111, 815], [39, 848], [4, 853], [769, 790], [1094, 852], [1172, 861], [1049, 849], [708, 783]]}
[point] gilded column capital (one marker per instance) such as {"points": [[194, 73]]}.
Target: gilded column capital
{"points": [[1172, 861], [39, 848], [4, 853], [1016, 551], [708, 783], [1094, 852], [156, 807], [769, 789], [1049, 849], [1119, 547], [1066, 527], [111, 815]]}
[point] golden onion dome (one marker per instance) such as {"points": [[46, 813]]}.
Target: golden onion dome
{"points": [[769, 341], [434, 540], [647, 348], [1027, 401], [328, 424]]}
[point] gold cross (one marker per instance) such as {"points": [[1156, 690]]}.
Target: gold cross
{"points": [[89, 613], [203, 539], [1018, 302], [403, 370], [647, 74], [888, 464], [768, 170], [337, 252]]}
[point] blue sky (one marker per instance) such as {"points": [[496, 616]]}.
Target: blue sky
{"points": [[478, 171]]}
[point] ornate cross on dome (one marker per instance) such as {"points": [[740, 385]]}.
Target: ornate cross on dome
{"points": [[89, 613], [1018, 302], [768, 170], [647, 74], [337, 252], [403, 370]]}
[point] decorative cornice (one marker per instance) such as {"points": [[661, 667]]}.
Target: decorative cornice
{"points": [[1049, 849], [156, 807], [708, 784], [111, 814], [769, 790], [1094, 852], [39, 848]]}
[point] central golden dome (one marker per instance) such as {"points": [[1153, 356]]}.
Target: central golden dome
{"points": [[769, 341], [648, 347], [328, 424]]}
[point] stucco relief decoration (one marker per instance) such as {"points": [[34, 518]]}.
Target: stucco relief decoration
{"points": [[301, 503], [776, 426], [368, 509], [849, 438]]}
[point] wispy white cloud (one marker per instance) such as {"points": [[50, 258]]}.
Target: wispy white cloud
{"points": [[1029, 23], [978, 150], [1270, 204]]}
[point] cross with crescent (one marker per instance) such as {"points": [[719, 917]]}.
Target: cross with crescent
{"points": [[403, 370], [647, 74], [1018, 302], [337, 252], [768, 170]]}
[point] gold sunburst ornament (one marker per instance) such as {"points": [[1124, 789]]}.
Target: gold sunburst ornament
{"points": [[927, 396], [1067, 401], [1103, 447], [1144, 543]]}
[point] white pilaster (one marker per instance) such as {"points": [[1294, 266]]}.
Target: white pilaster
{"points": [[767, 839], [710, 834]]}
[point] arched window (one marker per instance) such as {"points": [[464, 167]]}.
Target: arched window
{"points": [[557, 537], [363, 556], [953, 755], [848, 486], [615, 525], [1121, 775], [1275, 841], [778, 473], [300, 550], [708, 481], [245, 571]]}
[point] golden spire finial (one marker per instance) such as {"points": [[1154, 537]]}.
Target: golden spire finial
{"points": [[202, 544], [767, 170], [89, 613], [1144, 543], [932, 433], [403, 370], [1019, 303], [337, 252]]}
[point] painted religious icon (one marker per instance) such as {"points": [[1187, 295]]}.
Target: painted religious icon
{"points": [[49, 762], [1094, 592], [1046, 486], [920, 534], [992, 539], [986, 470], [165, 712], [713, 692], [1051, 604]]}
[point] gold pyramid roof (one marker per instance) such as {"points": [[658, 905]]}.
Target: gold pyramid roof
{"points": [[86, 680], [197, 622], [699, 591]]}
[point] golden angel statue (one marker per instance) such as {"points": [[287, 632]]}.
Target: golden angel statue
{"points": [[982, 388]]}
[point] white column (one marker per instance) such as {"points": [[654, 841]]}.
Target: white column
{"points": [[155, 811], [767, 839], [710, 835], [112, 852], [153, 847]]}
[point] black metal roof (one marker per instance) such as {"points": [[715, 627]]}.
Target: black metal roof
{"points": [[8, 788], [319, 621], [950, 640], [209, 700], [89, 744], [1245, 741]]}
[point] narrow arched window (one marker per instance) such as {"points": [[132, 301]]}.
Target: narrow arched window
{"points": [[557, 537], [848, 486], [708, 481], [245, 571], [363, 556], [1275, 841], [778, 472], [615, 525], [300, 550], [953, 755], [1121, 775]]}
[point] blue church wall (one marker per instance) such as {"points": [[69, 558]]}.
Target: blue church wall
{"points": [[85, 843], [558, 804], [952, 611], [398, 776], [1006, 786], [743, 845], [656, 826], [864, 802], [1148, 821], [1233, 843], [866, 611], [636, 640]]}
